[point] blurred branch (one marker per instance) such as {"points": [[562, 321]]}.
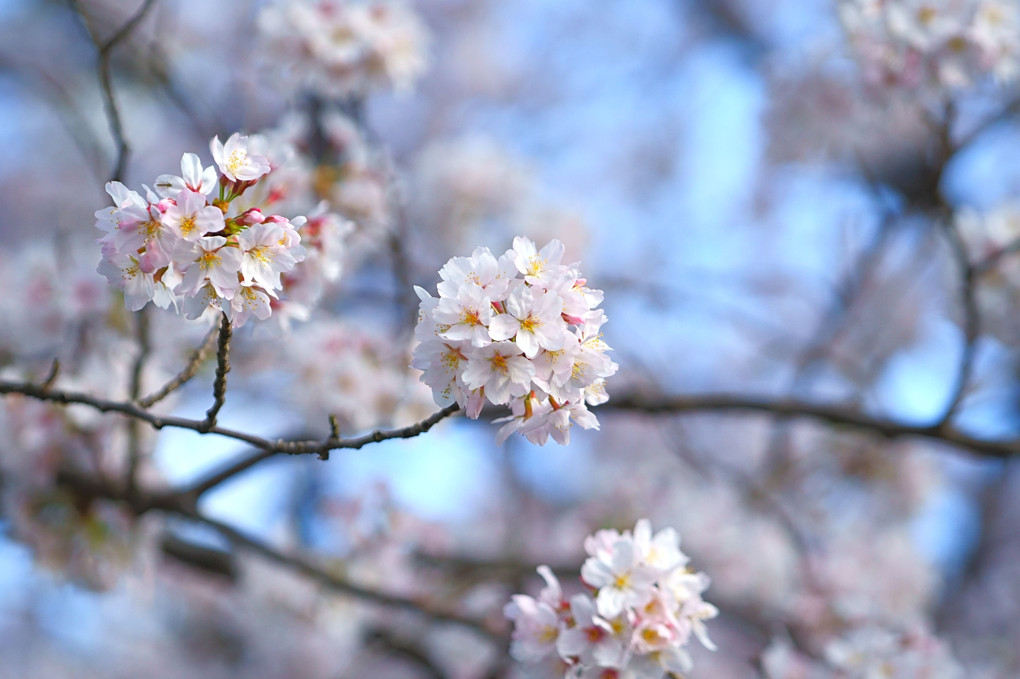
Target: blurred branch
{"points": [[206, 559], [992, 501], [406, 649], [105, 50], [89, 487], [971, 319], [831, 414], [68, 112], [338, 584]]}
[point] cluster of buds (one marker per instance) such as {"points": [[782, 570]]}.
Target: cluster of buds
{"points": [[521, 329], [340, 47], [646, 606], [920, 43], [176, 247]]}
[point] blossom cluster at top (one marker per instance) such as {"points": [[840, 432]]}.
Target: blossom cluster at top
{"points": [[647, 604], [341, 47], [920, 44], [521, 329], [176, 247]]}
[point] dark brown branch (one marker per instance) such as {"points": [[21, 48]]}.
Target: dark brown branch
{"points": [[233, 469], [830, 414], [293, 447], [197, 358], [222, 368]]}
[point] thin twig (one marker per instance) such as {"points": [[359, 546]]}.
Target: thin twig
{"points": [[322, 450], [197, 358], [971, 320], [222, 368], [105, 50], [51, 376]]}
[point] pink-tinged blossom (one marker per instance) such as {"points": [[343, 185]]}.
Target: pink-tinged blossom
{"points": [[125, 273], [442, 363], [536, 628], [235, 161], [264, 255], [482, 269], [532, 320], [194, 177], [211, 260], [592, 638], [198, 303], [661, 550], [191, 217], [540, 267], [500, 370], [556, 421], [466, 316], [622, 580], [247, 302]]}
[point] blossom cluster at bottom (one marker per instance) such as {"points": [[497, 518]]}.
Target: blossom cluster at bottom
{"points": [[644, 606]]}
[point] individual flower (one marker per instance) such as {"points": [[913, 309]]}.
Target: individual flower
{"points": [[190, 217], [235, 161], [194, 177], [621, 577]]}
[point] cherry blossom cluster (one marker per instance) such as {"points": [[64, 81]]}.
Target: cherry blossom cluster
{"points": [[521, 329], [644, 606], [179, 246], [927, 44], [341, 47]]}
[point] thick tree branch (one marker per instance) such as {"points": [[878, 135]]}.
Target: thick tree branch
{"points": [[291, 447]]}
